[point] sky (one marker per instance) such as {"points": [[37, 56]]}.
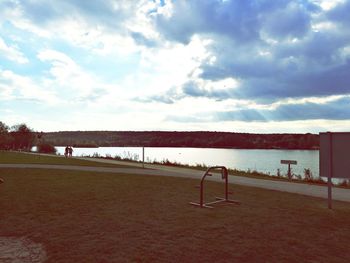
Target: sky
{"points": [[256, 66]]}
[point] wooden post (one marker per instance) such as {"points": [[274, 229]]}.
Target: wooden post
{"points": [[289, 172]]}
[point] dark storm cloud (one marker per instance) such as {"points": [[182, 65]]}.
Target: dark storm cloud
{"points": [[197, 17], [269, 46], [323, 82], [334, 81], [292, 20], [267, 89], [313, 67], [317, 50], [192, 89], [340, 14], [240, 20], [335, 110]]}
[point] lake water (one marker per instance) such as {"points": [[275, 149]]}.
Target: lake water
{"points": [[266, 161]]}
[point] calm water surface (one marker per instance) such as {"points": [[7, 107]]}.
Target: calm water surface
{"points": [[266, 161]]}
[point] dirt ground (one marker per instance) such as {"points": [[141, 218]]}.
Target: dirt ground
{"points": [[21, 250]]}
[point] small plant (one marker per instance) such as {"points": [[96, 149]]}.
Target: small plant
{"points": [[308, 175], [96, 155], [201, 166], [117, 157], [344, 183], [170, 163], [46, 148], [297, 176]]}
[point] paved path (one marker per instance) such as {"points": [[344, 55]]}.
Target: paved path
{"points": [[298, 188], [151, 169]]}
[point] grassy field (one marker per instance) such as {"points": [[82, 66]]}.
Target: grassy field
{"points": [[28, 158], [92, 217]]}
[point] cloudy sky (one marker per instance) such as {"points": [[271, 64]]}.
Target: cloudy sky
{"points": [[210, 65]]}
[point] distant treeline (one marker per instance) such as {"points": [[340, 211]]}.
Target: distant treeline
{"points": [[16, 137], [182, 139]]}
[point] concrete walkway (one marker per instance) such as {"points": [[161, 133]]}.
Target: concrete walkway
{"points": [[161, 170]]}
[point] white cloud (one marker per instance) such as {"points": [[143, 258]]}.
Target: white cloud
{"points": [[328, 4], [81, 27], [70, 81], [5, 89], [95, 38], [141, 21], [203, 57], [20, 87], [12, 53], [171, 65]]}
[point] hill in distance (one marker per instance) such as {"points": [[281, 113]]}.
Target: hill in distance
{"points": [[198, 139]]}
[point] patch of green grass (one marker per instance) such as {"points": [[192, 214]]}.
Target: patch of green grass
{"points": [[32, 158], [98, 217]]}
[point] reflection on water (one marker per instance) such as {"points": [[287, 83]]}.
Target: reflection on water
{"points": [[266, 161]]}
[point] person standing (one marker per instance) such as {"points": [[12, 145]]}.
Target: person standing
{"points": [[66, 150], [70, 151]]}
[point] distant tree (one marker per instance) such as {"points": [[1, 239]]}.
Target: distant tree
{"points": [[23, 137], [3, 128], [4, 136]]}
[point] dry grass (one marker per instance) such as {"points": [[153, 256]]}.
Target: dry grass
{"points": [[92, 217]]}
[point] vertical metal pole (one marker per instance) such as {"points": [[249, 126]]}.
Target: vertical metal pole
{"points": [[226, 184], [329, 192], [201, 197], [330, 172], [143, 157]]}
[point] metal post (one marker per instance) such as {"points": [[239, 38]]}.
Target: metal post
{"points": [[143, 157], [329, 183], [330, 173], [218, 199], [202, 193], [226, 183]]}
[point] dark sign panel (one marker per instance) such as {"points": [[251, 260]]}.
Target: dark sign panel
{"points": [[335, 154], [288, 162]]}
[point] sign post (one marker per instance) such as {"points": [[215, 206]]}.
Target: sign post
{"points": [[289, 162], [334, 158]]}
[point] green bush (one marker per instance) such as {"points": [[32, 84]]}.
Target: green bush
{"points": [[46, 148]]}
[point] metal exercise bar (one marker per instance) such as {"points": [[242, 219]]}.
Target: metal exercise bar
{"points": [[224, 174]]}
